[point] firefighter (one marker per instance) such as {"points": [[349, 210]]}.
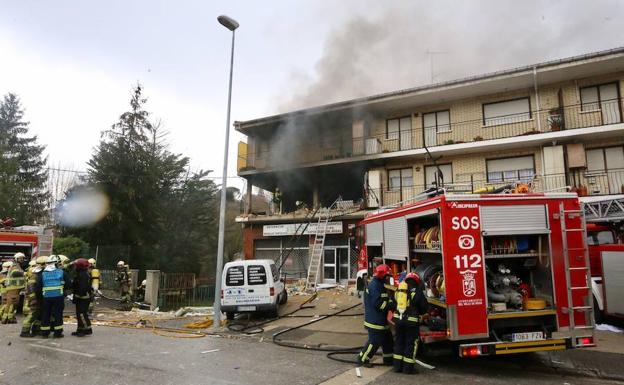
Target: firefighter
{"points": [[277, 201], [51, 285], [94, 273], [20, 259], [377, 303], [13, 284], [411, 304], [3, 276], [140, 291], [125, 281], [31, 323], [81, 288]]}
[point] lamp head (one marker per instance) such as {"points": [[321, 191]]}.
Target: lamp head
{"points": [[228, 22]]}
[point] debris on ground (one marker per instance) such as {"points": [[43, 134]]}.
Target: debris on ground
{"points": [[210, 351], [609, 328], [191, 311]]}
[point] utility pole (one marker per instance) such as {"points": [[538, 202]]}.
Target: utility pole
{"points": [[431, 53]]}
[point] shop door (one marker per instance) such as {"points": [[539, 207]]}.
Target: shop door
{"points": [[344, 264], [329, 266]]}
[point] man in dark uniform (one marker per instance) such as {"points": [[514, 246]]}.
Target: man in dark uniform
{"points": [[377, 303], [407, 319], [81, 287]]}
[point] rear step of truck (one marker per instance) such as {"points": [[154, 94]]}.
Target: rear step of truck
{"points": [[571, 256]]}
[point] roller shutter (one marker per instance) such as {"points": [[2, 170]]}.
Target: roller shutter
{"points": [[374, 234], [396, 241], [517, 219]]}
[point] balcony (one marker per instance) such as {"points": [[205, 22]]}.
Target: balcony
{"points": [[584, 183], [477, 133]]}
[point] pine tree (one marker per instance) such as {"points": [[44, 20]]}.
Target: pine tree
{"points": [[23, 171]]}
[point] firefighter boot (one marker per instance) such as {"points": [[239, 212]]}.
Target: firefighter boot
{"points": [[397, 364]]}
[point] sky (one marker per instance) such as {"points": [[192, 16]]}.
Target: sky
{"points": [[74, 63]]}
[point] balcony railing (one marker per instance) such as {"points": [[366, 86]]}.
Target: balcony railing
{"points": [[581, 182], [298, 151]]}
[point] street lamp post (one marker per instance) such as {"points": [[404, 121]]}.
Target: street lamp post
{"points": [[230, 24]]}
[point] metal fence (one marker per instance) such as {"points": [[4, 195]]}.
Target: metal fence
{"points": [[178, 290]]}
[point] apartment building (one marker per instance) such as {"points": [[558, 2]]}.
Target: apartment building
{"points": [[555, 125]]}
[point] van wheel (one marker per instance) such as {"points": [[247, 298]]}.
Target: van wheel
{"points": [[229, 315], [284, 297], [273, 313], [598, 315]]}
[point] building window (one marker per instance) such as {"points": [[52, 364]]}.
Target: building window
{"points": [[433, 177], [510, 111], [438, 122], [600, 160], [396, 127], [517, 169], [598, 97], [401, 178]]}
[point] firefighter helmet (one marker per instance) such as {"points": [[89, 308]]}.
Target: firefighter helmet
{"points": [[6, 266], [53, 259], [42, 260], [382, 271], [121, 264], [19, 256], [92, 261], [32, 262], [81, 264], [414, 277]]}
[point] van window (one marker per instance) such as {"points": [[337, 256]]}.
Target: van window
{"points": [[275, 273], [235, 276], [256, 275]]}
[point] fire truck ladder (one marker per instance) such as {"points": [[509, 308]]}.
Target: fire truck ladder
{"points": [[571, 256], [338, 208]]}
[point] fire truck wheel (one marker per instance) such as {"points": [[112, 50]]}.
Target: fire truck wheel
{"points": [[598, 315]]}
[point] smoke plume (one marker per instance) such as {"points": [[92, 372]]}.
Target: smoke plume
{"points": [[382, 46]]}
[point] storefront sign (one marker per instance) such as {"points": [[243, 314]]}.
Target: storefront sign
{"points": [[291, 228]]}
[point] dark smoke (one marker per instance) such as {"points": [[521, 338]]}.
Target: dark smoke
{"points": [[382, 46]]}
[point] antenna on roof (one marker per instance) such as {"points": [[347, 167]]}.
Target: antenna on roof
{"points": [[431, 53]]}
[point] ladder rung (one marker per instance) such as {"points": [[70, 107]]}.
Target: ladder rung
{"points": [[583, 308], [579, 268], [573, 211], [577, 248], [583, 327], [579, 288], [568, 230]]}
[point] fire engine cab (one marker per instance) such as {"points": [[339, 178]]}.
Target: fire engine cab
{"points": [[33, 241], [503, 273]]}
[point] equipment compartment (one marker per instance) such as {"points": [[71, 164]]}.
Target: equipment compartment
{"points": [[518, 273]]}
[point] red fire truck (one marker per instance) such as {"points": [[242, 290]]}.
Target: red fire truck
{"points": [[33, 241], [606, 256], [503, 273]]}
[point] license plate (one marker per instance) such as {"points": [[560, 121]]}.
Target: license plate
{"points": [[246, 308], [530, 336]]}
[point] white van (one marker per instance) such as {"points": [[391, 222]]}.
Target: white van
{"points": [[251, 285]]}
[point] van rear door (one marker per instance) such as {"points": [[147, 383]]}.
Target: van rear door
{"points": [[258, 284]]}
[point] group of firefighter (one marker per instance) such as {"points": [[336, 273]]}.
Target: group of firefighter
{"points": [[45, 283], [406, 309]]}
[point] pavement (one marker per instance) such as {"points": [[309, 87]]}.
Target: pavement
{"points": [[141, 355]]}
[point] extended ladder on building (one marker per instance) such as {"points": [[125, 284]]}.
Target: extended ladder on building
{"points": [[577, 263], [338, 208], [603, 208]]}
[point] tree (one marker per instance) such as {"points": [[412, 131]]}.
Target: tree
{"points": [[73, 247], [23, 172], [161, 211]]}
